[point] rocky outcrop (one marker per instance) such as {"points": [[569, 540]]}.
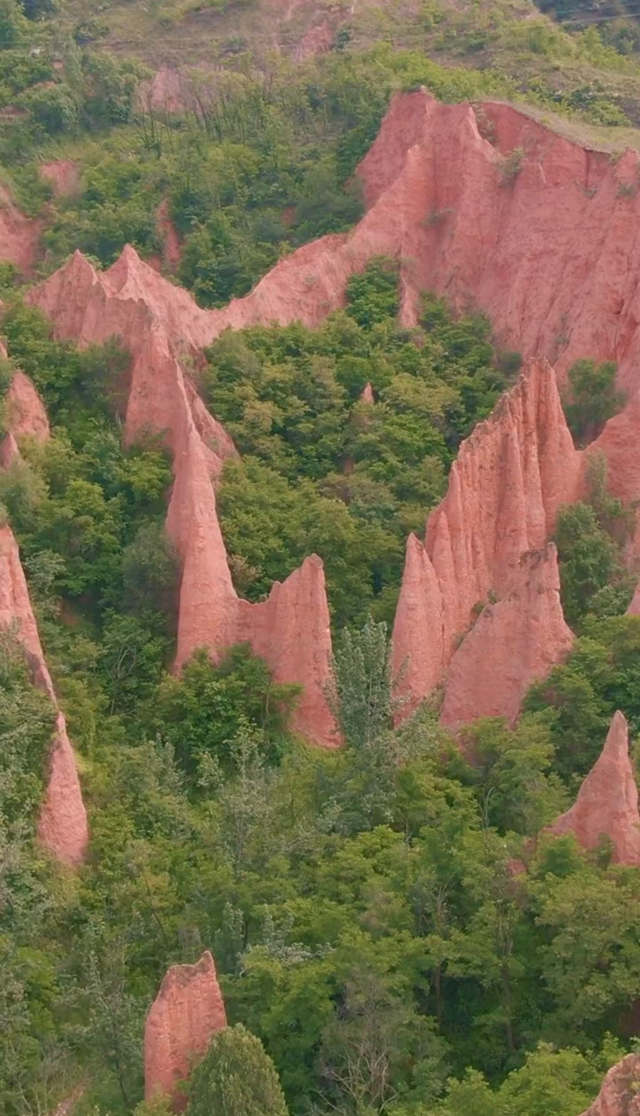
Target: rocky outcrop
{"points": [[62, 827], [505, 488], [160, 324], [25, 413], [19, 235], [607, 802], [63, 175], [468, 199], [181, 1022], [619, 1094], [512, 644]]}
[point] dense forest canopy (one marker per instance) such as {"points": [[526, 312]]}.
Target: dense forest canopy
{"points": [[395, 931]]}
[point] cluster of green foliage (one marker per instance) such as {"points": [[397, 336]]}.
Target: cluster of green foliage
{"points": [[322, 470], [592, 398], [591, 537]]}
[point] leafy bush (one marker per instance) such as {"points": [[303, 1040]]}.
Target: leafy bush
{"points": [[235, 1078]]}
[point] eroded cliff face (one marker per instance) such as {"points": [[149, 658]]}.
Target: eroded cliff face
{"points": [[161, 325], [468, 199], [619, 1095], [181, 1022], [607, 802], [512, 644], [19, 235], [505, 488], [62, 826]]}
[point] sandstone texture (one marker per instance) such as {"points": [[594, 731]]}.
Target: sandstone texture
{"points": [[183, 1018], [619, 1095], [468, 199], [160, 324], [24, 414], [19, 235], [512, 644], [62, 826], [446, 196], [25, 411], [63, 175], [505, 488], [607, 802]]}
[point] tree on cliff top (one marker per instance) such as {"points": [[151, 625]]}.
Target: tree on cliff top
{"points": [[236, 1078]]}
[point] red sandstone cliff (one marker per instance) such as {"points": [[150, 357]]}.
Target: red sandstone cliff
{"points": [[19, 235], [62, 827], [512, 644], [447, 196], [183, 1018], [607, 802], [619, 1094], [511, 476], [160, 323]]}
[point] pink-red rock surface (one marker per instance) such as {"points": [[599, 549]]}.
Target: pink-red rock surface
{"points": [[19, 235], [619, 1095], [181, 1022], [62, 826], [63, 175], [24, 410], [607, 802], [505, 488], [159, 323], [512, 644], [446, 195]]}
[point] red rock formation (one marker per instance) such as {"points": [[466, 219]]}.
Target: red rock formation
{"points": [[181, 1022], [511, 476], [171, 247], [62, 826], [607, 802], [25, 412], [446, 196], [151, 315], [512, 644], [19, 235], [619, 1095], [63, 175]]}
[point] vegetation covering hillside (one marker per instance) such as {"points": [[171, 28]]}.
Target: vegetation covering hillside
{"points": [[366, 911]]}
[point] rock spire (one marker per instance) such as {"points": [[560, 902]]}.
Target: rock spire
{"points": [[291, 630], [181, 1022], [505, 488], [607, 802]]}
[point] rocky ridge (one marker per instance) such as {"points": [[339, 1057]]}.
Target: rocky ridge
{"points": [[291, 629], [467, 198]]}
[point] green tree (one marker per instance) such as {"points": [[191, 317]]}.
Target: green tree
{"points": [[236, 1077], [593, 398]]}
